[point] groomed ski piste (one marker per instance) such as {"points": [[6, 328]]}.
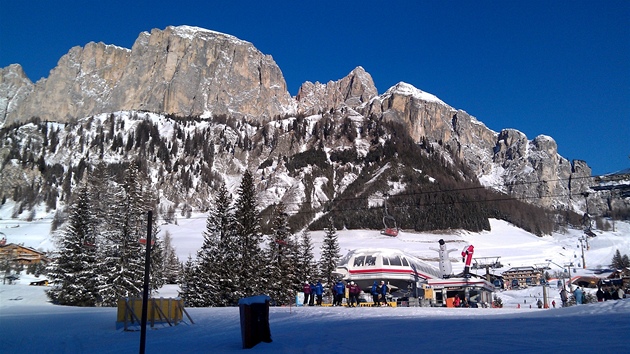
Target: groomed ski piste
{"points": [[31, 324]]}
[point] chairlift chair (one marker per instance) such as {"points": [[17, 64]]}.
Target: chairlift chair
{"points": [[143, 241], [389, 223]]}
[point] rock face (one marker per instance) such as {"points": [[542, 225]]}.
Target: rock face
{"points": [[352, 91], [506, 161], [180, 70], [189, 71], [15, 87]]}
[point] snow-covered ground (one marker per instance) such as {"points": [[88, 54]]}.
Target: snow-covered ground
{"points": [[30, 324]]}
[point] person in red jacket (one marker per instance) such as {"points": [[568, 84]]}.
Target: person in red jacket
{"points": [[456, 301], [354, 291], [306, 288]]}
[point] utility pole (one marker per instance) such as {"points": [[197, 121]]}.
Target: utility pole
{"points": [[145, 292], [569, 265], [581, 239]]}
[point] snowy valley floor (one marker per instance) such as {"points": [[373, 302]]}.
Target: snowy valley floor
{"points": [[29, 324]]}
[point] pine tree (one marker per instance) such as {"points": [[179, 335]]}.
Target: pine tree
{"points": [[307, 267], [157, 278], [73, 272], [171, 265], [330, 254], [214, 274], [189, 283], [249, 265], [123, 257], [229, 289], [619, 261], [280, 282]]}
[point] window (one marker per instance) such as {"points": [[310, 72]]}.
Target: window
{"points": [[370, 260], [385, 260], [404, 262], [395, 261], [359, 261]]}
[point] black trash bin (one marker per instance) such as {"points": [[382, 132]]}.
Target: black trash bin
{"points": [[254, 320]]}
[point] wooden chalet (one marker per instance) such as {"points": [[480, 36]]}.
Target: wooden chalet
{"points": [[20, 254]]}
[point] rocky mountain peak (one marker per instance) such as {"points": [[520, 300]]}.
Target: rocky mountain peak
{"points": [[15, 86], [353, 90], [182, 70]]}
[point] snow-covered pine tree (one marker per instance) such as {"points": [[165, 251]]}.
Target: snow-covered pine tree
{"points": [[280, 281], [250, 265], [214, 273], [171, 266], [189, 283], [123, 262], [157, 278], [619, 261], [229, 289], [330, 254], [73, 272], [307, 267]]}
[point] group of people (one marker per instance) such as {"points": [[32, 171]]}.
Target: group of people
{"points": [[610, 293], [379, 293], [457, 302], [313, 293]]}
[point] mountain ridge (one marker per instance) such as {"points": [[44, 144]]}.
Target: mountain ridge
{"points": [[193, 73]]}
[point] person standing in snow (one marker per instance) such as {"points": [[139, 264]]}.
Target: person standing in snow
{"points": [[579, 296], [375, 294], [564, 297], [354, 291], [319, 291], [306, 288], [311, 301], [600, 294], [553, 303], [339, 290], [620, 293], [384, 292]]}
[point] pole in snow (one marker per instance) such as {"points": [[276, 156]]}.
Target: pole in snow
{"points": [[145, 290]]}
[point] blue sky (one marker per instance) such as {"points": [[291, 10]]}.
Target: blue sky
{"points": [[559, 68]]}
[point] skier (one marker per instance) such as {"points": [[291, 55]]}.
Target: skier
{"points": [[375, 293], [319, 291]]}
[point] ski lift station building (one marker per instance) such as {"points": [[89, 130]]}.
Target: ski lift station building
{"points": [[409, 276]]}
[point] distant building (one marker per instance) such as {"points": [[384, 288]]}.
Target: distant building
{"points": [[520, 277], [20, 254]]}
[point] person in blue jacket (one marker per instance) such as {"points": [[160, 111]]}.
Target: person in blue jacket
{"points": [[375, 294], [319, 291], [340, 291], [579, 296], [311, 301], [383, 292]]}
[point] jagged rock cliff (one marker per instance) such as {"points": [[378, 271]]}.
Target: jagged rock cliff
{"points": [[189, 71], [15, 87], [183, 70], [353, 90]]}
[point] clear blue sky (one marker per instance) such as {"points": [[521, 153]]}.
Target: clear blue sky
{"points": [[559, 68]]}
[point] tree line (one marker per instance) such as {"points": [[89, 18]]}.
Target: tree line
{"points": [[237, 260], [100, 256]]}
